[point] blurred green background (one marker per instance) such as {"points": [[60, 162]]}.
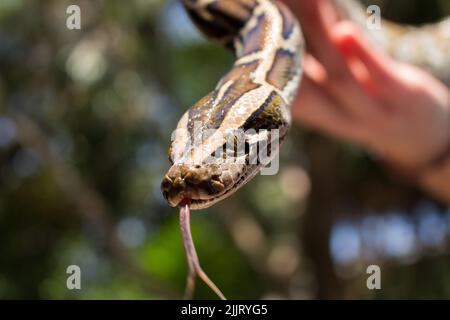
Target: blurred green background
{"points": [[85, 122]]}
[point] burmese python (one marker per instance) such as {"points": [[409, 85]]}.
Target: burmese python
{"points": [[257, 92]]}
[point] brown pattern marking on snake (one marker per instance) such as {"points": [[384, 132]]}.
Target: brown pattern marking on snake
{"points": [[228, 17], [288, 20], [283, 68], [211, 113], [211, 29], [239, 71], [268, 116], [254, 40], [231, 12], [242, 84], [199, 111]]}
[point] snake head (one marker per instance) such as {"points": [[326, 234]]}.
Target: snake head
{"points": [[193, 184], [211, 164]]}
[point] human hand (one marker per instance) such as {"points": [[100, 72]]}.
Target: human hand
{"points": [[352, 91]]}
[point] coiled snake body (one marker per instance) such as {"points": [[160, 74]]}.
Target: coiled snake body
{"points": [[257, 92]]}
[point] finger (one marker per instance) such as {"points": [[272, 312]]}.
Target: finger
{"points": [[347, 88], [314, 69], [314, 109], [353, 44], [317, 18]]}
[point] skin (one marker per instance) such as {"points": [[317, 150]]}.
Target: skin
{"points": [[354, 92]]}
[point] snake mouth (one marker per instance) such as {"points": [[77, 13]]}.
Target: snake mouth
{"points": [[203, 203], [197, 204], [188, 188], [190, 195], [194, 201]]}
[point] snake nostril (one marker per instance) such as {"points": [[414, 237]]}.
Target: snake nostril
{"points": [[166, 184]]}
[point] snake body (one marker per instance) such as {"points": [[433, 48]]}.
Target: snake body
{"points": [[258, 90]]}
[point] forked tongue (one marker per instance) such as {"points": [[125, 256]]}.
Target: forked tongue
{"points": [[194, 267]]}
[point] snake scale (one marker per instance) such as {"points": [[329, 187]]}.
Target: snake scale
{"points": [[256, 94]]}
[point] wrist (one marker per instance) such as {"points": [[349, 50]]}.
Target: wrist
{"points": [[426, 157], [432, 176], [435, 179]]}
